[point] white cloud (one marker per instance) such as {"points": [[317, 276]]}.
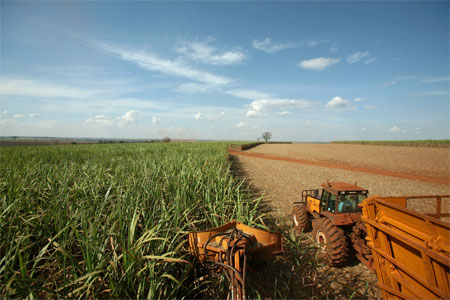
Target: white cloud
{"points": [[130, 116], [418, 130], [357, 56], [363, 129], [404, 131], [268, 46], [177, 68], [241, 125], [308, 124], [359, 99], [436, 79], [393, 82], [338, 103], [201, 117], [318, 64], [253, 114], [5, 112], [206, 54], [260, 107], [248, 94], [18, 116], [33, 88], [155, 120], [370, 107], [394, 129], [35, 115], [99, 120], [284, 113]]}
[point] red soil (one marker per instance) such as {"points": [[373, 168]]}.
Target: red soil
{"points": [[441, 181]]}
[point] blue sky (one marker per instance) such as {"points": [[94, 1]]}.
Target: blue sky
{"points": [[305, 71]]}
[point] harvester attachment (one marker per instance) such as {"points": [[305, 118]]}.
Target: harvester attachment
{"points": [[231, 247]]}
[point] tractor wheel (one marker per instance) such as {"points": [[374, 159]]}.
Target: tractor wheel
{"points": [[331, 240], [300, 218]]}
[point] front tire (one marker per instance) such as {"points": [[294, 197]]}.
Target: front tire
{"points": [[332, 241], [300, 218]]}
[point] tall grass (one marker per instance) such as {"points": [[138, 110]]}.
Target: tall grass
{"points": [[104, 221]]}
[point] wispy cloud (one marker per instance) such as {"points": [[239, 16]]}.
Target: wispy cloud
{"points": [[18, 116], [312, 43], [35, 115], [248, 94], [35, 88], [393, 82], [357, 56], [204, 53], [284, 113], [318, 64], [169, 67], [436, 79], [394, 129], [435, 93], [334, 48], [193, 88], [370, 60], [358, 99], [268, 46], [261, 107], [370, 107], [99, 120]]}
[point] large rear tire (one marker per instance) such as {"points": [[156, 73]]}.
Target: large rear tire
{"points": [[300, 218], [332, 241]]}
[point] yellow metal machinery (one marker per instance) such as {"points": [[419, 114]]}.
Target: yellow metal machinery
{"points": [[411, 250], [231, 247]]}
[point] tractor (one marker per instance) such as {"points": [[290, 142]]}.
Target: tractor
{"points": [[335, 216]]}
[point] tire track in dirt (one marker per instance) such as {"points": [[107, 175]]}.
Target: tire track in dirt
{"points": [[440, 181]]}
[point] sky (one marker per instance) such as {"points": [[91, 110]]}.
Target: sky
{"points": [[225, 70]]}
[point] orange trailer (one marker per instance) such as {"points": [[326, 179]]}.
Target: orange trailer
{"points": [[411, 251]]}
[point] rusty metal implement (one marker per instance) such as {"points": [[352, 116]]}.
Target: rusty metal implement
{"points": [[411, 250], [231, 246]]}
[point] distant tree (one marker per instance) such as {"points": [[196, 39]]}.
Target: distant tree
{"points": [[166, 139], [266, 136]]}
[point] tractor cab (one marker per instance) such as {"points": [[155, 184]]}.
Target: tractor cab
{"points": [[341, 197], [334, 198]]}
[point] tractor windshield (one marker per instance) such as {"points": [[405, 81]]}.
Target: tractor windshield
{"points": [[349, 202]]}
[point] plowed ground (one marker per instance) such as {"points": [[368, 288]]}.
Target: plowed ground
{"points": [[281, 183]]}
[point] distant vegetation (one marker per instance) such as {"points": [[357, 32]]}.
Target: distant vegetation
{"points": [[111, 220], [410, 143]]}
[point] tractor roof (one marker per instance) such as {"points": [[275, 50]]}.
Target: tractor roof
{"points": [[336, 187]]}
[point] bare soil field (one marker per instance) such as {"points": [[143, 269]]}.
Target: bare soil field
{"points": [[281, 183], [433, 162]]}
